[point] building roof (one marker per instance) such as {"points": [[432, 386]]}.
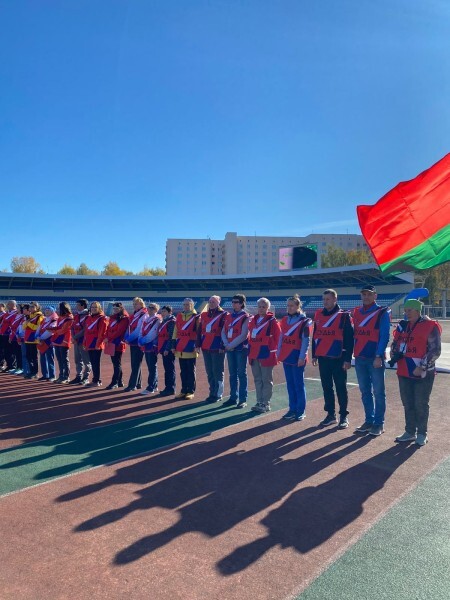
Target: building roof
{"points": [[304, 279]]}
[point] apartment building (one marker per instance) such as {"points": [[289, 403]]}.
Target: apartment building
{"points": [[242, 254]]}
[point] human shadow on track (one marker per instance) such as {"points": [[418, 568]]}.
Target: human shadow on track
{"points": [[212, 491], [312, 515], [103, 445], [216, 495]]}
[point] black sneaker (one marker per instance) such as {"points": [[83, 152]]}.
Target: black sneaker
{"points": [[165, 393], [241, 404], [343, 423], [76, 380], [212, 400], [230, 402], [329, 420], [111, 386], [365, 427], [84, 381]]}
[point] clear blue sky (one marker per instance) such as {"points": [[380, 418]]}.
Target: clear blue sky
{"points": [[125, 122]]}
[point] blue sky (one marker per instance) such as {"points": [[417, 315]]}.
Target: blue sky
{"points": [[125, 122]]}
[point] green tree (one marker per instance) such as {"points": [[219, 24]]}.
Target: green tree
{"points": [[25, 264], [361, 256], [83, 269], [334, 257], [152, 272], [67, 270]]}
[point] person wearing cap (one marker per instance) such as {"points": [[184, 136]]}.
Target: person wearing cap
{"points": [[416, 347], [371, 334], [332, 349]]}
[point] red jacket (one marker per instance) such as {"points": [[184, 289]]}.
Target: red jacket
{"points": [[116, 331], [61, 334], [94, 332]]}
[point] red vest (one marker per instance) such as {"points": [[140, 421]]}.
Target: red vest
{"points": [[163, 335], [94, 332], [6, 322], [367, 331], [211, 331], [30, 334], [233, 327], [116, 331], [329, 333], [44, 345], [414, 345], [291, 340], [186, 333], [79, 321], [263, 340], [14, 326]]}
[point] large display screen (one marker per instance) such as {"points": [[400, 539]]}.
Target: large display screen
{"points": [[297, 257]]}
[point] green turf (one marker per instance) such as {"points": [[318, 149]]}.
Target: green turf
{"points": [[404, 556], [29, 464]]}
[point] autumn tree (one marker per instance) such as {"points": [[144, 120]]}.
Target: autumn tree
{"points": [[25, 264], [67, 270], [83, 269], [152, 272], [112, 268]]}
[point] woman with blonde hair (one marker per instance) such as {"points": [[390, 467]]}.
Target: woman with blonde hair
{"points": [[94, 335], [292, 352]]}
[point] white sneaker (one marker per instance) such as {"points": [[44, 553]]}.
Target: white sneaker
{"points": [[145, 393]]}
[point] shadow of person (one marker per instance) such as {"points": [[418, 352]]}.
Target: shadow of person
{"points": [[215, 495], [312, 515]]}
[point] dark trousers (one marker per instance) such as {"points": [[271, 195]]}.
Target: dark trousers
{"points": [[48, 363], [136, 356], [151, 358], [3, 341], [13, 355], [415, 395], [62, 356], [214, 366], [95, 358], [32, 358], [117, 366], [331, 371], [169, 372], [187, 373]]}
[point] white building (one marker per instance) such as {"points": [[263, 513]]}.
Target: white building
{"points": [[250, 254]]}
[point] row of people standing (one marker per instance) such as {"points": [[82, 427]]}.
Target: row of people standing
{"points": [[237, 335]]}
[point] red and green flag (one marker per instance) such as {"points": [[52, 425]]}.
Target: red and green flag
{"points": [[409, 227]]}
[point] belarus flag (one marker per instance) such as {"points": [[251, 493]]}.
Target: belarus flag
{"points": [[409, 228]]}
